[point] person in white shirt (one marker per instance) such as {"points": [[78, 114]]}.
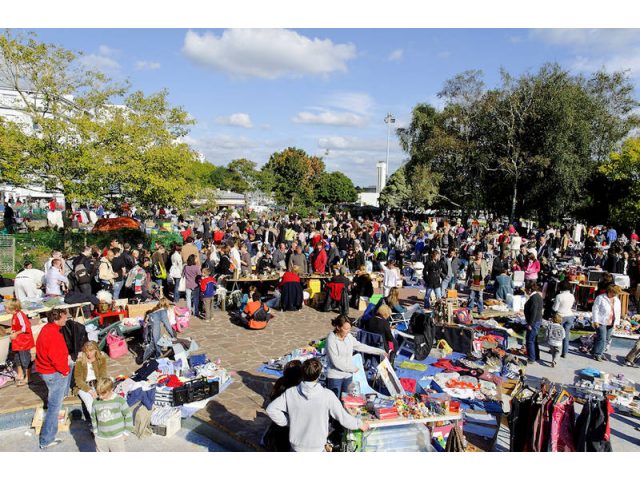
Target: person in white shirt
{"points": [[515, 244], [55, 280], [49, 263], [605, 315], [391, 276], [28, 283], [306, 408], [234, 254], [563, 305]]}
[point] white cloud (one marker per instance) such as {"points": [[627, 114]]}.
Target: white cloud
{"points": [[147, 65], [598, 39], [106, 51], [239, 119], [594, 49], [396, 55], [101, 61], [267, 53], [348, 119], [359, 102], [352, 143]]}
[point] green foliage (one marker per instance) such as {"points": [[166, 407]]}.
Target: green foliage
{"points": [[335, 188], [623, 168], [295, 176], [528, 147], [396, 193], [77, 142]]}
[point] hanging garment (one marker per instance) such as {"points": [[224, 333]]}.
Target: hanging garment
{"points": [[563, 426], [591, 427]]}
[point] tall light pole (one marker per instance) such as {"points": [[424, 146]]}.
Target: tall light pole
{"points": [[389, 119]]}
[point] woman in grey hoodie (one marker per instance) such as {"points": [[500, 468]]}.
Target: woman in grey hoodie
{"points": [[306, 408], [340, 347]]}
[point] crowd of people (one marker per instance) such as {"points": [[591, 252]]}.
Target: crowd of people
{"points": [[439, 254]]}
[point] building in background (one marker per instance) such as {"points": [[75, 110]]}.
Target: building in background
{"points": [[382, 176]]}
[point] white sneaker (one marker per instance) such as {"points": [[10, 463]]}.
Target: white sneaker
{"points": [[51, 444]]}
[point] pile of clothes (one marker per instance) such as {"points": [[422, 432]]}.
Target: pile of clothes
{"points": [[151, 390]]}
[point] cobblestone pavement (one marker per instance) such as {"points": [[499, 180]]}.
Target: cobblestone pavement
{"points": [[238, 411]]}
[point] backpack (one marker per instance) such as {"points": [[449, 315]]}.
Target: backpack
{"points": [[81, 274], [210, 290], [259, 319], [159, 271]]}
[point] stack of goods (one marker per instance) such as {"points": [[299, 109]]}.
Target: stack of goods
{"points": [[618, 389], [162, 384], [276, 366]]}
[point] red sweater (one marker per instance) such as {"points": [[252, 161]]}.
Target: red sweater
{"points": [[289, 277], [21, 324], [52, 354]]}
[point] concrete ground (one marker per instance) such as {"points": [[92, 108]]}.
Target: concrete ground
{"points": [[236, 417], [80, 439]]}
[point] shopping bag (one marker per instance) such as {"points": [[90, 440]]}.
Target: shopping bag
{"points": [[182, 285], [117, 345], [183, 316]]}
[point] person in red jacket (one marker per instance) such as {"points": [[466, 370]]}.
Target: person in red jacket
{"points": [[21, 341], [52, 362], [319, 259]]}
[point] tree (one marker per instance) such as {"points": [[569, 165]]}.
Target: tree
{"points": [[77, 142], [426, 185], [295, 175], [396, 193], [335, 188], [623, 169]]}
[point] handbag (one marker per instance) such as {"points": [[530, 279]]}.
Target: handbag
{"points": [[117, 346], [182, 284]]}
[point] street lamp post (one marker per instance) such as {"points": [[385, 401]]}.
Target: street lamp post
{"points": [[389, 119]]}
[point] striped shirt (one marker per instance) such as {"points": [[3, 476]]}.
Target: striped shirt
{"points": [[111, 417]]}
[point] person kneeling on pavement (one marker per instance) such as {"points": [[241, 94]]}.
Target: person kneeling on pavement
{"points": [[306, 408], [256, 314]]}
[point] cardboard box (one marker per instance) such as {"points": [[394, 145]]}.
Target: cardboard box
{"points": [[64, 422], [139, 310], [173, 425]]}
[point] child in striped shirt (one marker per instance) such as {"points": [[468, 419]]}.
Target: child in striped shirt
{"points": [[111, 418]]}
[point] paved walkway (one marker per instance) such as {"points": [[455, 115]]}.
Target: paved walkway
{"points": [[238, 411]]}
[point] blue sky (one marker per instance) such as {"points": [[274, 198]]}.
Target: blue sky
{"points": [[254, 92]]}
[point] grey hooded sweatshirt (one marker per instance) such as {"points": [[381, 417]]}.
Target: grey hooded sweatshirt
{"points": [[306, 409]]}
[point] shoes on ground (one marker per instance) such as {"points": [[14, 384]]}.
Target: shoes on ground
{"points": [[51, 444]]}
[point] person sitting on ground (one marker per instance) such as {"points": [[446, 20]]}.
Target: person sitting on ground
{"points": [[28, 282], [276, 438], [21, 341], [393, 302], [90, 367], [362, 287], [504, 285], [379, 324], [306, 409], [290, 290], [256, 314]]}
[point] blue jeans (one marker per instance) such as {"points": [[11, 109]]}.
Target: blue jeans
{"points": [[476, 297], [195, 299], [153, 328], [274, 302], [339, 385], [117, 287], [448, 284], [603, 337], [427, 296], [567, 324], [176, 290], [533, 349], [57, 384]]}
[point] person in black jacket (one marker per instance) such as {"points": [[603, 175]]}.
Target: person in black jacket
{"points": [[380, 324], [361, 287], [533, 315], [433, 275]]}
